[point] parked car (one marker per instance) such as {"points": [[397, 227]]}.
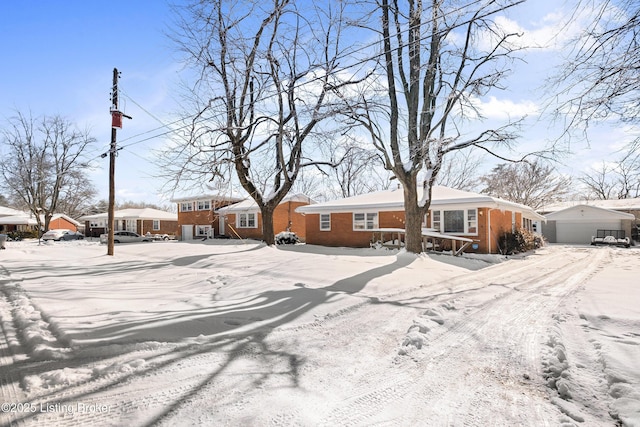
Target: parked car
{"points": [[62, 234], [125, 237]]}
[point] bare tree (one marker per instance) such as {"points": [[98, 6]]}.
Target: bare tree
{"points": [[76, 197], [266, 72], [438, 59], [614, 180], [530, 183], [355, 164], [43, 160], [601, 78], [460, 170]]}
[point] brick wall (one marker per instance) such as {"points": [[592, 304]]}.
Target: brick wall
{"points": [[284, 216], [342, 233], [166, 227], [61, 223], [501, 222]]}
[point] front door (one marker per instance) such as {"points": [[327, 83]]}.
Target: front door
{"points": [[221, 223], [187, 232]]}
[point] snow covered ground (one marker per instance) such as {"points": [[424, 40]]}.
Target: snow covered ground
{"points": [[235, 333]]}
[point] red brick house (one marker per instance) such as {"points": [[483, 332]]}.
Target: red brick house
{"points": [[352, 221], [13, 220], [198, 217], [62, 221], [141, 221], [244, 220]]}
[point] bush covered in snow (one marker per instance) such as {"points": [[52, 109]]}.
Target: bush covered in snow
{"points": [[287, 238], [519, 241]]}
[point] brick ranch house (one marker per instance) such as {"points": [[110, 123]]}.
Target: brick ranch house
{"points": [[198, 217], [140, 221], [244, 220], [13, 220], [351, 222]]}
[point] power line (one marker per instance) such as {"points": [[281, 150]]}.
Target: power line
{"points": [[274, 93]]}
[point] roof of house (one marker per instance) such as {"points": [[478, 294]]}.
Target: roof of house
{"points": [[4, 211], [394, 200], [615, 204], [142, 213], [22, 219], [250, 205], [66, 217], [26, 218], [587, 213]]}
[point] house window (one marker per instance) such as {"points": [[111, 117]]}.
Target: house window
{"points": [[365, 221], [156, 224], [186, 207], [435, 222], [472, 221], [325, 222], [203, 230], [204, 205], [247, 220], [455, 221]]}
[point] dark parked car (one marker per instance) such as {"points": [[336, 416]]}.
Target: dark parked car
{"points": [[62, 234], [125, 237]]}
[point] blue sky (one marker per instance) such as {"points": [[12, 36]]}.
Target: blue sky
{"points": [[59, 57]]}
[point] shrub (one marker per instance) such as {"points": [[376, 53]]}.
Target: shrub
{"points": [[519, 241]]}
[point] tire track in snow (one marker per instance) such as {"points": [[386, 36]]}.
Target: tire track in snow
{"points": [[9, 389], [506, 330]]}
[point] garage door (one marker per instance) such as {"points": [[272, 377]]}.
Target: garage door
{"points": [[581, 232]]}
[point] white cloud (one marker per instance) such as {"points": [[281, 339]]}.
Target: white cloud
{"points": [[494, 108]]}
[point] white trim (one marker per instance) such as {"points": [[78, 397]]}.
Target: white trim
{"points": [[375, 220], [207, 202], [320, 222], [465, 219], [240, 214]]}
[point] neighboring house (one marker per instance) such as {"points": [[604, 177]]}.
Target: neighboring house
{"points": [[244, 220], [139, 221], [631, 206], [14, 220], [22, 222], [197, 216], [62, 221], [577, 224], [352, 221]]}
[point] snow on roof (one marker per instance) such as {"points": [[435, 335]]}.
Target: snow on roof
{"points": [[394, 200], [68, 218], [251, 205], [22, 219], [578, 211], [616, 205], [133, 213], [4, 211]]}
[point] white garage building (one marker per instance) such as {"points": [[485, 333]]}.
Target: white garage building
{"points": [[577, 224]]}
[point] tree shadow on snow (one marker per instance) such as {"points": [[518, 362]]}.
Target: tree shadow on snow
{"points": [[231, 328]]}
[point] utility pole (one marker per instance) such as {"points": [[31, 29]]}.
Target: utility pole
{"points": [[116, 123], [112, 162]]}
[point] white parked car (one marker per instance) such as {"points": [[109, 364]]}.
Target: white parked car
{"points": [[124, 237], [62, 234]]}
